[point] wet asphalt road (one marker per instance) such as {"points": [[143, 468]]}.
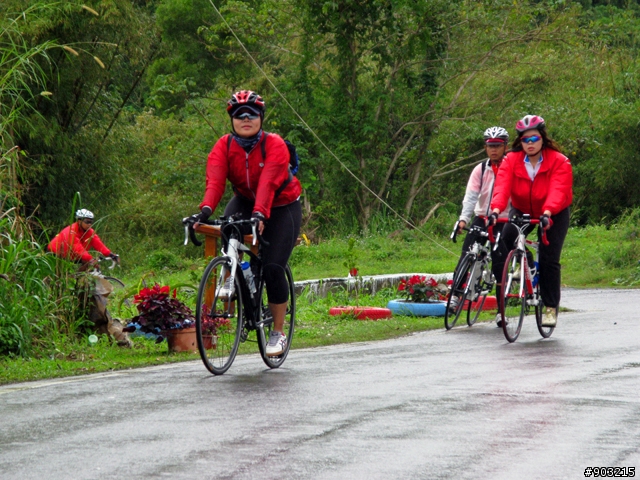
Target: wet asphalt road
{"points": [[460, 404]]}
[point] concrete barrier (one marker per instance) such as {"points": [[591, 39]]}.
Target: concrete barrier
{"points": [[367, 285]]}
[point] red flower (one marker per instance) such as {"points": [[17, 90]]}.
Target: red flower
{"points": [[419, 288]]}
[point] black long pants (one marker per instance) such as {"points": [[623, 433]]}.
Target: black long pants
{"points": [[281, 231], [549, 267]]}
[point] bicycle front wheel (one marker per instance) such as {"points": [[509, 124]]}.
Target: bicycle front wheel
{"points": [[544, 331], [459, 289], [514, 301], [472, 317], [267, 324], [218, 317]]}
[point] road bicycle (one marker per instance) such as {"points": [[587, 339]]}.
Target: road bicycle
{"points": [[230, 305], [472, 280], [520, 280]]}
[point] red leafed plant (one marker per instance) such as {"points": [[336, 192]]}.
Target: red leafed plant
{"points": [[160, 310], [421, 289], [212, 325]]}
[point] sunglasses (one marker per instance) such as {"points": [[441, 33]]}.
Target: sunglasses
{"points": [[248, 116], [531, 139], [87, 221]]}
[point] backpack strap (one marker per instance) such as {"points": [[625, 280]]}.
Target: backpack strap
{"points": [[263, 147]]}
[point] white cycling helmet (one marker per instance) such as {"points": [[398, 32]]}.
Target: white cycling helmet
{"points": [[496, 135], [84, 213]]}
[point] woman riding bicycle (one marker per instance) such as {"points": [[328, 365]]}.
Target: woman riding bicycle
{"points": [[539, 181], [257, 166]]}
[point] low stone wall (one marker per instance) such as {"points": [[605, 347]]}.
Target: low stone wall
{"points": [[369, 285]]}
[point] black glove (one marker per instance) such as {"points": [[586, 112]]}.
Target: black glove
{"points": [[115, 258], [492, 219], [204, 214], [545, 222], [258, 216]]}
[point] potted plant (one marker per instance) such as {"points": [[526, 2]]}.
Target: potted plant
{"points": [[212, 327], [160, 312], [422, 296]]}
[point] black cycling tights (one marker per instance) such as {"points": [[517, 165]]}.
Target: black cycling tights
{"points": [[281, 231]]}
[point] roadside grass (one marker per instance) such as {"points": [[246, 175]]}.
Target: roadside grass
{"points": [[593, 257]]}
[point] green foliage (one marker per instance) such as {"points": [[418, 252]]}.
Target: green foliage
{"points": [[37, 300]]}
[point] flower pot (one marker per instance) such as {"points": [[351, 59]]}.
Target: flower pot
{"points": [[210, 341], [362, 313], [428, 309], [183, 340]]}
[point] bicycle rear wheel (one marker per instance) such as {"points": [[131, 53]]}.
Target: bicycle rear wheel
{"points": [[544, 331], [267, 324], [218, 317], [513, 302], [459, 289]]}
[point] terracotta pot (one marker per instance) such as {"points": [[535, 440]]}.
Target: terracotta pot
{"points": [[210, 341], [182, 340]]}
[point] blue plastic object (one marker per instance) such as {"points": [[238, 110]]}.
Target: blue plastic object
{"points": [[431, 309]]}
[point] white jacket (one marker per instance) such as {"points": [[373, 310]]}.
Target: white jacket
{"points": [[476, 201]]}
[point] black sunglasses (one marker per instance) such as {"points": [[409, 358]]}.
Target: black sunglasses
{"points": [[248, 116]]}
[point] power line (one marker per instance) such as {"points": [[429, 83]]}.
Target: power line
{"points": [[408, 222]]}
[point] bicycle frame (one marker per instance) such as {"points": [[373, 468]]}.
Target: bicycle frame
{"points": [[521, 243], [224, 296], [520, 289]]}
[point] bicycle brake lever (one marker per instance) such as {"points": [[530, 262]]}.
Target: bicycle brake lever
{"points": [[186, 234]]}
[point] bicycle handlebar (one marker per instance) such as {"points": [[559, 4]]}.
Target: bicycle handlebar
{"points": [[190, 222], [519, 221], [474, 228], [112, 260]]}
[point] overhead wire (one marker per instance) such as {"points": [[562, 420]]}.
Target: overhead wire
{"points": [[315, 135]]}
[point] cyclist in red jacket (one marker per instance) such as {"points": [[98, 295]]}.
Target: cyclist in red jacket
{"points": [[539, 181], [74, 241], [257, 166]]}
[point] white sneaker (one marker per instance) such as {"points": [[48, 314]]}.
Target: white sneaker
{"points": [[550, 317], [277, 343], [499, 320], [453, 304], [225, 290]]}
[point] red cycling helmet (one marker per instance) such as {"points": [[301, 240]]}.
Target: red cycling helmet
{"points": [[248, 99], [528, 122]]}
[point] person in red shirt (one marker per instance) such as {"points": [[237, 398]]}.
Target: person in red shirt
{"points": [[257, 166], [539, 181], [74, 241]]}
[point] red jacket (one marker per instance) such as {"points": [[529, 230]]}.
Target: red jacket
{"points": [[252, 176], [73, 243], [551, 189]]}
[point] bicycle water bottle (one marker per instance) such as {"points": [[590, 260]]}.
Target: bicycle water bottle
{"points": [[248, 276], [535, 274]]}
